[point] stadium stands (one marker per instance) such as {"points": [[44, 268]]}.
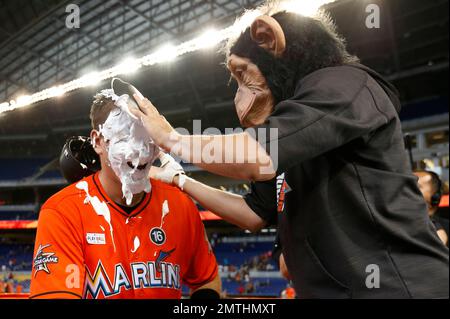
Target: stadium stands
{"points": [[247, 267], [14, 257], [16, 169]]}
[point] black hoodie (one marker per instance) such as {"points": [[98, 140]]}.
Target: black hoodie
{"points": [[351, 218]]}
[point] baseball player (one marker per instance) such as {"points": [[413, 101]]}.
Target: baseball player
{"points": [[117, 234]]}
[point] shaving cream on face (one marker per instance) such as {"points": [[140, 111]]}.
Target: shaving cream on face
{"points": [[129, 147]]}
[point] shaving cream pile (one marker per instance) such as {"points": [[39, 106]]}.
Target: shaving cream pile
{"points": [[128, 142]]}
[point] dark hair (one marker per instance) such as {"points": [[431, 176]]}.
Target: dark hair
{"points": [[437, 187], [100, 109], [436, 182], [311, 44]]}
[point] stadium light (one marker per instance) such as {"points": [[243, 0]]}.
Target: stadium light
{"points": [[23, 100], [305, 7], [90, 79], [245, 21], [128, 66], [56, 91], [166, 54], [208, 39]]}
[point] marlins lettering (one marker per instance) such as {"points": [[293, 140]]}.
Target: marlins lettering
{"points": [[143, 276]]}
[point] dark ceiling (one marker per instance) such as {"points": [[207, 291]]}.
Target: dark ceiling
{"points": [[410, 49]]}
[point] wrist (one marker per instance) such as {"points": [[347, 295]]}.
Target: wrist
{"points": [[176, 180], [169, 141], [180, 181]]}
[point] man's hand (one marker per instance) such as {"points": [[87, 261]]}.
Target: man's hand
{"points": [[170, 171], [160, 131], [256, 164]]}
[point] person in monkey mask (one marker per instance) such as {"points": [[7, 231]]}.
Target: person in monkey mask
{"points": [[351, 219]]}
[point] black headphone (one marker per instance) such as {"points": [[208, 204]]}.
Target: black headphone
{"points": [[436, 197], [78, 159]]}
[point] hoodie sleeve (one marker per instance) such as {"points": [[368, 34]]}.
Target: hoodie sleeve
{"points": [[331, 107]]}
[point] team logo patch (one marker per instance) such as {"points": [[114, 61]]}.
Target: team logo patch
{"points": [[95, 239], [282, 189], [157, 236], [42, 259], [162, 256]]}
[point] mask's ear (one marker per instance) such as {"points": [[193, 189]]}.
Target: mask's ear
{"points": [[268, 34]]}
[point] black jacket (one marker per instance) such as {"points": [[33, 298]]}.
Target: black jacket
{"points": [[352, 205]]}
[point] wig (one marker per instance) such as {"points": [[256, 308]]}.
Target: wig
{"points": [[312, 43]]}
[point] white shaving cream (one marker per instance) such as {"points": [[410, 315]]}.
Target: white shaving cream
{"points": [[128, 143], [101, 208], [136, 243], [165, 211]]}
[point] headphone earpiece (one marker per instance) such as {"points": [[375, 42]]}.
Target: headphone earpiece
{"points": [[436, 198]]}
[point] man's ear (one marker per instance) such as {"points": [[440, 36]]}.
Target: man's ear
{"points": [[268, 34], [96, 141]]}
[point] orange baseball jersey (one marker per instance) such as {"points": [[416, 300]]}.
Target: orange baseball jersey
{"points": [[88, 247]]}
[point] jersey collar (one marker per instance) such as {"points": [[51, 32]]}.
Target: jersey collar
{"points": [[145, 201]]}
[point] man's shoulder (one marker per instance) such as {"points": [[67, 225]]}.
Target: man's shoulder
{"points": [[159, 186], [347, 72], [342, 80], [69, 196], [171, 193]]}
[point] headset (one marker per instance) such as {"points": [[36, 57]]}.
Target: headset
{"points": [[78, 159]]}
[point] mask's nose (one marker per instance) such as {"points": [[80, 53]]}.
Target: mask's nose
{"points": [[243, 101]]}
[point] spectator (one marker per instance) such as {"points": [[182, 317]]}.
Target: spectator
{"points": [[431, 187], [8, 287], [249, 288], [19, 288], [288, 293]]}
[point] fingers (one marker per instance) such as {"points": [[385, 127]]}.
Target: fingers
{"points": [[161, 155], [141, 103], [145, 105], [154, 171], [165, 158], [136, 112], [146, 108]]}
